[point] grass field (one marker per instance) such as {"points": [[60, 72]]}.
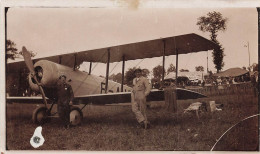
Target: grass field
{"points": [[114, 128]]}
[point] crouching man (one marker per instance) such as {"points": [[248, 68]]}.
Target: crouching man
{"points": [[65, 96], [140, 90]]}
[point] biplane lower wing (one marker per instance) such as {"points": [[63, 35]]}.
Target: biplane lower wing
{"points": [[111, 98], [26, 100]]}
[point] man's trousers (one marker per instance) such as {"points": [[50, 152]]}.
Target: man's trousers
{"points": [[139, 106]]}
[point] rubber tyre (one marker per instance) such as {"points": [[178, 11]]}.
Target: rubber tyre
{"points": [[76, 116], [40, 115]]}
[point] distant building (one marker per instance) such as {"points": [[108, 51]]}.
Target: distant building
{"points": [[232, 72], [190, 75]]}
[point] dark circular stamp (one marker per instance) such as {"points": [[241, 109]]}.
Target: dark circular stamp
{"points": [[36, 139]]}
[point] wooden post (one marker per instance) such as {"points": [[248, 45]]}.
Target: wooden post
{"points": [[90, 66], [107, 72], [123, 74], [170, 99]]}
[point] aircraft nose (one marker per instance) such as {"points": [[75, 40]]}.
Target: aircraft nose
{"points": [[38, 73]]}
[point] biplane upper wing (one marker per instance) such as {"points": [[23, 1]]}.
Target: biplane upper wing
{"points": [[111, 98], [181, 44]]}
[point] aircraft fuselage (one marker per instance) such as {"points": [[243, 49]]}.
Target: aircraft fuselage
{"points": [[82, 83]]}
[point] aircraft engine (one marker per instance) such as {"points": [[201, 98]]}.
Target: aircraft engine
{"points": [[47, 74]]}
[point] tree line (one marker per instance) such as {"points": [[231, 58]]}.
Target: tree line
{"points": [[17, 84]]}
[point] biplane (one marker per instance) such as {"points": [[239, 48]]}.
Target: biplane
{"points": [[91, 89]]}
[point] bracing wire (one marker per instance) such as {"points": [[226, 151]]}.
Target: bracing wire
{"points": [[113, 68], [88, 75], [116, 83], [109, 73], [139, 63]]}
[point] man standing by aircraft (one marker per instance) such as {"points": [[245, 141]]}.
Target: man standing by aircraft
{"points": [[141, 89], [65, 96]]}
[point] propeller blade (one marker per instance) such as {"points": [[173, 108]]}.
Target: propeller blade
{"points": [[29, 64], [28, 60]]}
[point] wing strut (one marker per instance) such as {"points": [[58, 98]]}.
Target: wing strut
{"points": [[75, 62], [123, 74], [176, 67], [163, 60], [107, 73], [90, 66], [60, 57], [176, 52]]}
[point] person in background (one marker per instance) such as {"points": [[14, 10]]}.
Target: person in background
{"points": [[203, 83], [140, 90], [230, 80], [254, 83]]}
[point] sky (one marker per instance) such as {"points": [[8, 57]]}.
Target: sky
{"points": [[54, 31]]}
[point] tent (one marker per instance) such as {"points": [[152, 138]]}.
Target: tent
{"points": [[232, 72]]}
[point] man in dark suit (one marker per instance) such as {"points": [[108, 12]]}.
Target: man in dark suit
{"points": [[65, 96]]}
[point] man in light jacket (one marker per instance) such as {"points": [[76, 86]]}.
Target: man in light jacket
{"points": [[141, 89]]}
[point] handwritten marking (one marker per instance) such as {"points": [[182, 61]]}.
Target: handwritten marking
{"points": [[231, 128]]}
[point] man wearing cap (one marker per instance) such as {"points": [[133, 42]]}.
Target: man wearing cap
{"points": [[140, 90], [65, 96]]}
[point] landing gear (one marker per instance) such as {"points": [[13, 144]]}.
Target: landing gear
{"points": [[40, 115], [76, 116]]}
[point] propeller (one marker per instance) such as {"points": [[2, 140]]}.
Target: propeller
{"points": [[29, 64]]}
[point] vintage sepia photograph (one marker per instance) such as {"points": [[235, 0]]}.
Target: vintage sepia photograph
{"points": [[131, 78]]}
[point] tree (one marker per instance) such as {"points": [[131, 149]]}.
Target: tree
{"points": [[184, 70], [129, 75], [31, 53], [171, 68], [116, 77], [17, 84], [213, 23], [111, 77], [199, 68], [255, 67], [244, 68], [249, 68], [146, 72], [210, 73], [11, 51], [157, 72]]}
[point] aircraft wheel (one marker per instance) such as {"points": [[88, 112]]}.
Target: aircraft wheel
{"points": [[40, 115], [76, 116]]}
